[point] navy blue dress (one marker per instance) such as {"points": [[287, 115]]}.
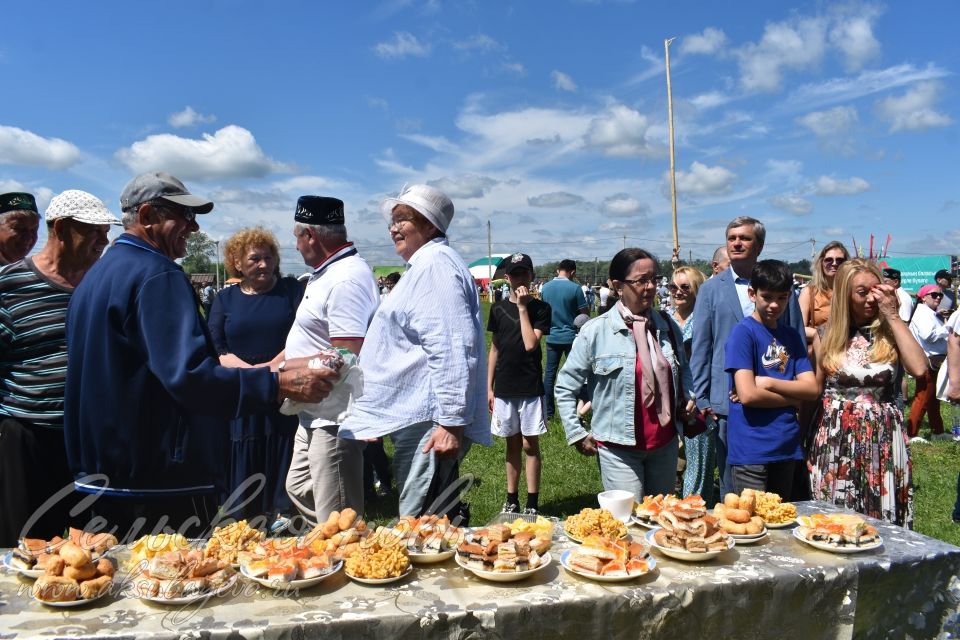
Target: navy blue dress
{"points": [[254, 328]]}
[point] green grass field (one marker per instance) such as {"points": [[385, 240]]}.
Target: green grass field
{"points": [[571, 482]]}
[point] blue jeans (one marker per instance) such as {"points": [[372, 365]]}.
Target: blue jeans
{"points": [[414, 470], [726, 475], [640, 472], [554, 353]]}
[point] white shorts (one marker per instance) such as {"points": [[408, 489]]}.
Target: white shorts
{"points": [[518, 415]]}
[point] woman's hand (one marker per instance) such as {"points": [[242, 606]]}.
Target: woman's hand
{"points": [[886, 299], [230, 360], [587, 446]]}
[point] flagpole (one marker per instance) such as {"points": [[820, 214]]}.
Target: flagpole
{"points": [[673, 174]]}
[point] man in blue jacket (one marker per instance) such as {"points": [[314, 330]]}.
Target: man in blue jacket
{"points": [[146, 401], [722, 302]]}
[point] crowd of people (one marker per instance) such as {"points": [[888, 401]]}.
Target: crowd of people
{"points": [[126, 400]]}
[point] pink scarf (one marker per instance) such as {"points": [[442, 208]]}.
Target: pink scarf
{"points": [[653, 365]]}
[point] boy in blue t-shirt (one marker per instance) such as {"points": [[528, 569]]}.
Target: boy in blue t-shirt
{"points": [[769, 375]]}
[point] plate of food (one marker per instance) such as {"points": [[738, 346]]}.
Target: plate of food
{"points": [[387, 580], [429, 538], [502, 571], [284, 577], [608, 560], [186, 591], [669, 547], [646, 523], [600, 522], [837, 533], [779, 525], [750, 538], [61, 592]]}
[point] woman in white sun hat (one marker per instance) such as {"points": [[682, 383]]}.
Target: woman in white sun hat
{"points": [[424, 370]]}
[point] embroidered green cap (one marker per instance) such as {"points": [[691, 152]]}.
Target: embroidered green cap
{"points": [[18, 202]]}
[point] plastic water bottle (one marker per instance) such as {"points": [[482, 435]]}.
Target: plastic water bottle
{"points": [[955, 430]]}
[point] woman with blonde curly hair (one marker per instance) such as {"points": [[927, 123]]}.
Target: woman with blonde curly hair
{"points": [[700, 451], [859, 458], [249, 323]]}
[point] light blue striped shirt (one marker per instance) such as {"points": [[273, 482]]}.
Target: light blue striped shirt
{"points": [[423, 357]]}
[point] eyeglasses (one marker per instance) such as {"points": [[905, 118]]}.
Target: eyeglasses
{"points": [[396, 222], [935, 295], [686, 288], [836, 261], [188, 214], [643, 282]]}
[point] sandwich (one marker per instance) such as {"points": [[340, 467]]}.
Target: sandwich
{"points": [[194, 587], [219, 578], [283, 571], [146, 587], [314, 567], [637, 567], [604, 548], [586, 563], [613, 569], [166, 566]]}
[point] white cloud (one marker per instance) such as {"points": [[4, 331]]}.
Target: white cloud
{"points": [[707, 43], [378, 103], [797, 44], [853, 35], [829, 186], [621, 132], [703, 180], [18, 146], [837, 90], [555, 199], [710, 100], [189, 117], [622, 205], [913, 111], [791, 203], [230, 152], [480, 42], [404, 44], [515, 68], [464, 185], [562, 81], [832, 122]]}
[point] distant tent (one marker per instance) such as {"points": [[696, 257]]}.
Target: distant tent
{"points": [[480, 269]]}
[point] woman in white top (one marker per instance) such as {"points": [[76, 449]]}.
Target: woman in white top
{"points": [[929, 330]]}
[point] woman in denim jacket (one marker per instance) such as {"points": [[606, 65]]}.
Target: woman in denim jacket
{"points": [[627, 362]]}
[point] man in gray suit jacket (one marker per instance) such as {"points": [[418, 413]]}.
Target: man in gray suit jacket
{"points": [[722, 302]]}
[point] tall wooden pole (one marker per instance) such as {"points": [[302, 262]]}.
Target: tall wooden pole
{"points": [[673, 174], [489, 262]]}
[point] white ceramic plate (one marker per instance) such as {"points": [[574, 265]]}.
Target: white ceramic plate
{"points": [[431, 558], [681, 554], [565, 563], [292, 584], [500, 576], [625, 536], [382, 580], [29, 573], [779, 525], [641, 522], [72, 603], [746, 538], [832, 548], [194, 598]]}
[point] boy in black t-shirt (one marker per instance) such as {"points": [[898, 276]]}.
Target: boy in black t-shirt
{"points": [[515, 378]]}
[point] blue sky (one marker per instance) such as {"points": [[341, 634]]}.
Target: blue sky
{"points": [[826, 120]]}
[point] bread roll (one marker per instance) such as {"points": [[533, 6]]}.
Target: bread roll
{"points": [[334, 517], [74, 555], [755, 525], [719, 510], [53, 566], [733, 527], [330, 529], [737, 515], [347, 516], [731, 501], [105, 567], [748, 502], [93, 588], [85, 572], [55, 589]]}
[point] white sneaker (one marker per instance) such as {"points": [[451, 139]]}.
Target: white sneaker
{"points": [[919, 440]]}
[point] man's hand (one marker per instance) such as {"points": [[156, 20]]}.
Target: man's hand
{"points": [[232, 361], [587, 446], [444, 441], [953, 392], [523, 296], [490, 397], [307, 385]]}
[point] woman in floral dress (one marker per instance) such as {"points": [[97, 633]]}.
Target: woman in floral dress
{"points": [[859, 458]]}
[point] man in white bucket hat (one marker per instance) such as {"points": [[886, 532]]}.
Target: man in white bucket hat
{"points": [[424, 369], [34, 293]]}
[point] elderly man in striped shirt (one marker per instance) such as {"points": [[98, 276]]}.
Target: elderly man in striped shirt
{"points": [[34, 293]]}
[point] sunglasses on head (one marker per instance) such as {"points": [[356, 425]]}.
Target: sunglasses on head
{"points": [[836, 261]]}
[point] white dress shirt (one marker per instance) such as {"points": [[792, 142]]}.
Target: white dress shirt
{"points": [[423, 357], [906, 304]]}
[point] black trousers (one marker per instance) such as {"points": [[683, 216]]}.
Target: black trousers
{"points": [[130, 517], [33, 469], [774, 477]]}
